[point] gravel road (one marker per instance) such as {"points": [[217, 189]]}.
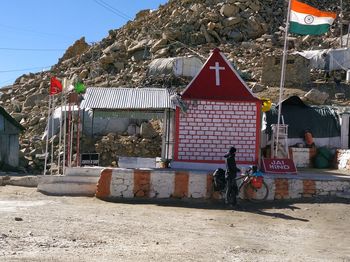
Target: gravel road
{"points": [[36, 227]]}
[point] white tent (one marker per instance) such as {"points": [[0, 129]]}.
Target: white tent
{"points": [[328, 59]]}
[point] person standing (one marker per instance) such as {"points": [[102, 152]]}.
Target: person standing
{"points": [[230, 175]]}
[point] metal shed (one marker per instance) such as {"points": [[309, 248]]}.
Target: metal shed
{"points": [[136, 103], [9, 145]]}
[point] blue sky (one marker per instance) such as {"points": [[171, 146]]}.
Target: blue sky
{"points": [[53, 25]]}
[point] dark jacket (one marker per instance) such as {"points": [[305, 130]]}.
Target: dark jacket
{"points": [[231, 167]]}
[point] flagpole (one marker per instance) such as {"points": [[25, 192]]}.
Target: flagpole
{"points": [[71, 138], [69, 123], [78, 137], [64, 126], [60, 135], [47, 135], [52, 132], [283, 74], [341, 23]]}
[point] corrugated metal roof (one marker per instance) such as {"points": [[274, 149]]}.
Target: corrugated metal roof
{"points": [[127, 98]]}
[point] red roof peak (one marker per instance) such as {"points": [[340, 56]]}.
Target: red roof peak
{"points": [[218, 80], [216, 50]]}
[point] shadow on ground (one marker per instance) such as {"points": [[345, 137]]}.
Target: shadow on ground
{"points": [[267, 208]]}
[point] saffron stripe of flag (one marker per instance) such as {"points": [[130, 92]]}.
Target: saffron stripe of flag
{"points": [[307, 9], [307, 20]]}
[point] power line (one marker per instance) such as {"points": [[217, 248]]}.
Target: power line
{"points": [[121, 14], [116, 10], [112, 9], [31, 49], [24, 69]]}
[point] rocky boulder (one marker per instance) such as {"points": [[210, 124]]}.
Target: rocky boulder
{"points": [[147, 131], [78, 48], [315, 96], [229, 10]]}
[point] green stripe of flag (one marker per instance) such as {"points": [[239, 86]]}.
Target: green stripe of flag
{"points": [[300, 29]]}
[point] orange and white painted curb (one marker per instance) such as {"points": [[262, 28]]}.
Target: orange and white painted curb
{"points": [[130, 183], [168, 183]]}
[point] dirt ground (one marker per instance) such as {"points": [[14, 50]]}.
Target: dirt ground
{"points": [[35, 227]]}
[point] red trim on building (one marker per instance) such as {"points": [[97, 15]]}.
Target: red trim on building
{"points": [[258, 131], [214, 162]]}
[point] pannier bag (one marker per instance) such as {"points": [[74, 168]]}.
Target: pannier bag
{"points": [[219, 179], [257, 181]]}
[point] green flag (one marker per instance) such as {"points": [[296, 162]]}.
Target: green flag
{"points": [[79, 88]]}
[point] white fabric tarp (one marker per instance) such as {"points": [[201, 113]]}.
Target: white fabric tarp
{"points": [[98, 125], [345, 40], [178, 66], [55, 118], [328, 59]]}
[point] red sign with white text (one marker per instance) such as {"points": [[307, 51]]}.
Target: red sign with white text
{"points": [[278, 166]]}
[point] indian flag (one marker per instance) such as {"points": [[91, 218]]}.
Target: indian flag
{"points": [[307, 20]]}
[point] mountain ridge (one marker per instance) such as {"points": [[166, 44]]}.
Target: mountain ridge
{"points": [[246, 31]]}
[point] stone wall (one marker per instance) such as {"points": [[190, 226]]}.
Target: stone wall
{"points": [[168, 183], [129, 183], [297, 67]]}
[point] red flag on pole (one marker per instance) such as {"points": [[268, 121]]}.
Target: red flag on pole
{"points": [[55, 86]]}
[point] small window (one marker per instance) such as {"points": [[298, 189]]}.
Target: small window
{"points": [[290, 61], [2, 123], [277, 61]]}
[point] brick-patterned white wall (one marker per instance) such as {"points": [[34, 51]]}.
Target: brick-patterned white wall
{"points": [[209, 128]]}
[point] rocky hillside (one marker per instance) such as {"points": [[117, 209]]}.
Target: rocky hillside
{"points": [[245, 30]]}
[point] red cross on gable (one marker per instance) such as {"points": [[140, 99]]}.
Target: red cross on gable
{"points": [[218, 80]]}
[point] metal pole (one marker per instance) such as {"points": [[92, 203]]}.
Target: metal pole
{"points": [[164, 150], [83, 123], [168, 134], [47, 135], [60, 135], [64, 134], [283, 75], [71, 139], [92, 123], [341, 23], [52, 132], [347, 38], [69, 134], [78, 137]]}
